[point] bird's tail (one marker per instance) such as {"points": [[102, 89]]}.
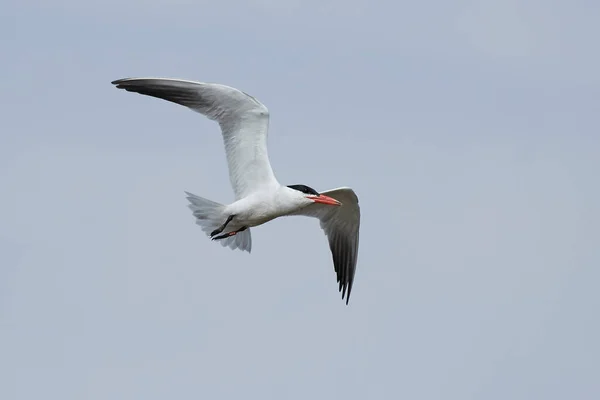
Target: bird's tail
{"points": [[210, 216]]}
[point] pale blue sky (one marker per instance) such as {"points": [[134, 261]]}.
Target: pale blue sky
{"points": [[469, 130]]}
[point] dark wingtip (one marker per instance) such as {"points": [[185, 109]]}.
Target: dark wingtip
{"points": [[118, 82], [345, 290], [347, 295]]}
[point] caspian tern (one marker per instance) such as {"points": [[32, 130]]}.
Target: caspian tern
{"points": [[259, 197]]}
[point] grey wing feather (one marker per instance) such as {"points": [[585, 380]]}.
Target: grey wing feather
{"points": [[244, 124], [341, 225]]}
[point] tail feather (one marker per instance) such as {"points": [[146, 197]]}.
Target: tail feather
{"points": [[210, 216], [242, 241]]}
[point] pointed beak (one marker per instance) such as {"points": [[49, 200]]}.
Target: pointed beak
{"points": [[325, 200]]}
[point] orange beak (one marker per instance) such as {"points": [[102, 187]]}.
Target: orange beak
{"points": [[325, 200]]}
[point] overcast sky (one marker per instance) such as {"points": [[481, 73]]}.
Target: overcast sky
{"points": [[469, 130]]}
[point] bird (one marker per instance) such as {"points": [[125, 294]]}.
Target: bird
{"points": [[259, 197]]}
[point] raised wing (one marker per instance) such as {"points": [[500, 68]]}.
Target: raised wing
{"points": [[341, 225], [244, 124]]}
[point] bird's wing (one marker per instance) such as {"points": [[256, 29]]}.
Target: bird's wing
{"points": [[341, 225], [244, 124]]}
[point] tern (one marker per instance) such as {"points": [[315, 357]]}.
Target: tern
{"points": [[259, 197]]}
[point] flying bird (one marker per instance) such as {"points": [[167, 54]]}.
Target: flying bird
{"points": [[259, 197]]}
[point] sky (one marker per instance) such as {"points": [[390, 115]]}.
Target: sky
{"points": [[468, 129]]}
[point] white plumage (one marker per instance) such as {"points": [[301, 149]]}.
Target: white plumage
{"points": [[244, 123]]}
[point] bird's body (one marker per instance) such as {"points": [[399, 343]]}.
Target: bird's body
{"points": [[260, 207], [260, 198]]}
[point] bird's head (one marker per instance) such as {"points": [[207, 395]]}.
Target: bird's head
{"points": [[310, 195]]}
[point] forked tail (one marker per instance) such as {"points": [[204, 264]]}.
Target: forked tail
{"points": [[210, 216]]}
